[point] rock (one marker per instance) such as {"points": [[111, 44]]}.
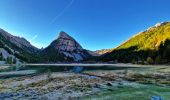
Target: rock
{"points": [[109, 84], [157, 25], [120, 83], [160, 24], [97, 85], [6, 55]]}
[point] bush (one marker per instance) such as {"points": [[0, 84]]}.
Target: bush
{"points": [[150, 60]]}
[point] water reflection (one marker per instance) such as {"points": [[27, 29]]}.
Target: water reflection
{"points": [[17, 68], [77, 69]]}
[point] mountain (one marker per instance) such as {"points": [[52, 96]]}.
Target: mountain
{"points": [[15, 48], [64, 48], [144, 45], [103, 51], [18, 41], [151, 45], [67, 47], [149, 39]]}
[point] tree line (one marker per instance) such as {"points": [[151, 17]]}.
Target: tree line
{"points": [[134, 55]]}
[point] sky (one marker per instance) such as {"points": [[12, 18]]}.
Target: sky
{"points": [[95, 24]]}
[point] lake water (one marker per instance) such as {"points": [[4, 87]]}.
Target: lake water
{"points": [[14, 71]]}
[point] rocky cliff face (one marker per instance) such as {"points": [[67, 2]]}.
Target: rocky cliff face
{"points": [[69, 47], [66, 43]]}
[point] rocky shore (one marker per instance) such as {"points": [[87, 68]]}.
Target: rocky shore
{"points": [[50, 86]]}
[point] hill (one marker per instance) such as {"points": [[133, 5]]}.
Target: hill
{"points": [[151, 44]]}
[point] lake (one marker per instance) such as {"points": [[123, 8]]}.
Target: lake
{"points": [[13, 71]]}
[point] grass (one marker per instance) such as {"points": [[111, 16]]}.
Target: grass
{"points": [[166, 82], [154, 85], [131, 93]]}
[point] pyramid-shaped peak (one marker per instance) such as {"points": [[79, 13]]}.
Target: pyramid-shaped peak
{"points": [[65, 42], [64, 35]]}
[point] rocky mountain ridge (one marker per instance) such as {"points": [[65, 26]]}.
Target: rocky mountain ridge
{"points": [[19, 41]]}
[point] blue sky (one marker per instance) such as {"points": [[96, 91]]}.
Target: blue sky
{"points": [[95, 24]]}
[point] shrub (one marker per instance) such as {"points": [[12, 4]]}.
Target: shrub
{"points": [[150, 60]]}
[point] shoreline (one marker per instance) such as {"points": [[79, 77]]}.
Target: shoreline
{"points": [[85, 64]]}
